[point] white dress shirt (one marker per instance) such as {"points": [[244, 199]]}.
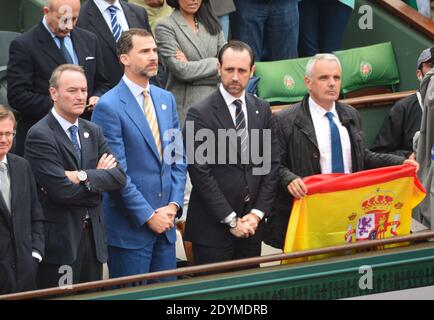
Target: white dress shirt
{"points": [[120, 14], [229, 99], [323, 137]]}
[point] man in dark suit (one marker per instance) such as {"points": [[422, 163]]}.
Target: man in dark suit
{"points": [[35, 54], [230, 198], [73, 165], [107, 19], [21, 217]]}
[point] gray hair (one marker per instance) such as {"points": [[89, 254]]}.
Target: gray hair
{"points": [[320, 56]]}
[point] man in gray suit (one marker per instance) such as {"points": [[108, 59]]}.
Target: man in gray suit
{"points": [[73, 165]]}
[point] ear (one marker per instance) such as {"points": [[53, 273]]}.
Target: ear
{"points": [[307, 82], [218, 68], [45, 10], [124, 59], [253, 71], [53, 94]]}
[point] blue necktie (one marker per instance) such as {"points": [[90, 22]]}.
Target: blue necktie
{"points": [[116, 27], [73, 135], [65, 51], [337, 159]]}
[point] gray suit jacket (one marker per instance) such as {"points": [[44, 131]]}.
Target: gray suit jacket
{"points": [[222, 7], [192, 81]]}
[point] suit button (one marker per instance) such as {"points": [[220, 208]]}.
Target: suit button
{"points": [[160, 195], [315, 155], [13, 266]]}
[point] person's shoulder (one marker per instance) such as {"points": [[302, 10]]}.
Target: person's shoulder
{"points": [[406, 102], [85, 34], [17, 159]]}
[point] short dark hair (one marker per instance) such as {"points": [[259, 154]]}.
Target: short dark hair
{"points": [[5, 113], [237, 45], [125, 43], [205, 15]]}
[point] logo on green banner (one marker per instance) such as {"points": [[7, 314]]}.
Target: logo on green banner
{"points": [[289, 82], [365, 70]]}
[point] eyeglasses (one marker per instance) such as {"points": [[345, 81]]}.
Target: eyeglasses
{"points": [[7, 135]]}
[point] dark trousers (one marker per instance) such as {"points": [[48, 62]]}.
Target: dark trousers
{"points": [[85, 268], [239, 249], [322, 26]]}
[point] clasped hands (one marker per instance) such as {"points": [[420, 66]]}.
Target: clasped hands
{"points": [[246, 226], [163, 219]]}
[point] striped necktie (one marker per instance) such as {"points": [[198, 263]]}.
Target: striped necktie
{"points": [[240, 126], [116, 27], [152, 121]]}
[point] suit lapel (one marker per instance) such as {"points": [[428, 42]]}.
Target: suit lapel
{"points": [[14, 178], [193, 38], [221, 112], [62, 137], [96, 19], [48, 46], [137, 116], [79, 47], [4, 211], [130, 16], [86, 143]]}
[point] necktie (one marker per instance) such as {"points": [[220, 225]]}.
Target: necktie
{"points": [[152, 121], [65, 51], [337, 159], [73, 136], [5, 185], [240, 126], [116, 27]]}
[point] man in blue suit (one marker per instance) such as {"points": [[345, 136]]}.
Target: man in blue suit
{"points": [[137, 118]]}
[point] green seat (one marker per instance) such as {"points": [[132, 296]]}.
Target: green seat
{"points": [[282, 81], [6, 37], [371, 66]]}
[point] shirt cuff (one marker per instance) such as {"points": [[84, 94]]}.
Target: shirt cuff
{"points": [[258, 213], [231, 216], [37, 255], [176, 204]]}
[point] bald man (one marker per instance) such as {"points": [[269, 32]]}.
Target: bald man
{"points": [[36, 53]]}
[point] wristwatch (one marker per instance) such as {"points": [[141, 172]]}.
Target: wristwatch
{"points": [[233, 223], [82, 176]]}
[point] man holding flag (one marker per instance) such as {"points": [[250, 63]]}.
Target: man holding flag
{"points": [[319, 136]]}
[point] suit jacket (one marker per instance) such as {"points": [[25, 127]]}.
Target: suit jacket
{"points": [[300, 157], [91, 19], [50, 152], [220, 189], [192, 81], [151, 183], [21, 230], [32, 58]]}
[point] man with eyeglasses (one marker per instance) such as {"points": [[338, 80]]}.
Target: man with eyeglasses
{"points": [[21, 217], [403, 121]]}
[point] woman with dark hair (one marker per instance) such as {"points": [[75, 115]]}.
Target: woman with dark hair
{"points": [[189, 41]]}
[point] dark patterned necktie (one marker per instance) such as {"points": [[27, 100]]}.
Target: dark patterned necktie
{"points": [[73, 135], [337, 158]]}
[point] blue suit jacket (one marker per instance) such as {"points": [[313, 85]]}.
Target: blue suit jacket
{"points": [[150, 183]]}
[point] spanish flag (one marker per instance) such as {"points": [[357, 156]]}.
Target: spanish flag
{"points": [[345, 208]]}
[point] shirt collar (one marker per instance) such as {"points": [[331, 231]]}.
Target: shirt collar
{"points": [[135, 89], [44, 22], [229, 99], [320, 111], [5, 160], [65, 124], [103, 5]]}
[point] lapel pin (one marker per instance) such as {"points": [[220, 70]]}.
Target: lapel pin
{"points": [[257, 112], [163, 106], [86, 135]]}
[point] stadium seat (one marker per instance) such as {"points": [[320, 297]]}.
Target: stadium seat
{"points": [[281, 81], [368, 67]]}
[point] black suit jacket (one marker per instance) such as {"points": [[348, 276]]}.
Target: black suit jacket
{"points": [[32, 58], [21, 230], [50, 152], [91, 19], [219, 189]]}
